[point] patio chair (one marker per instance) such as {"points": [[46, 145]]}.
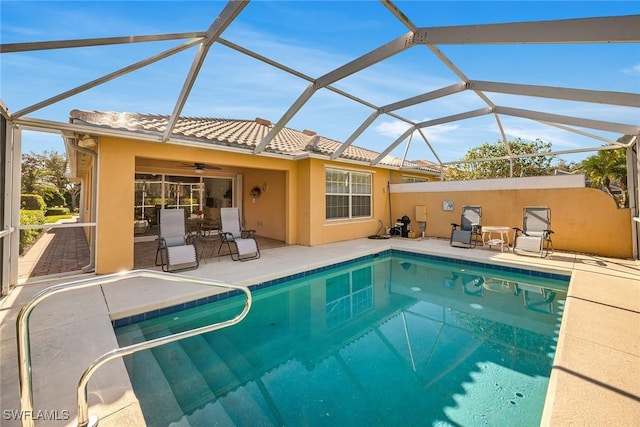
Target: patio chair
{"points": [[535, 234], [176, 251], [469, 231], [536, 298], [241, 243]]}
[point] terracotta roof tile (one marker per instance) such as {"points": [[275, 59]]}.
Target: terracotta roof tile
{"points": [[236, 133]]}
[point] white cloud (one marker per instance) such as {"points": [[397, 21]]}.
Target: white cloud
{"points": [[391, 129], [633, 70]]}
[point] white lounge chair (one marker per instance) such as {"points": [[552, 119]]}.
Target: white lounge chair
{"points": [[241, 243], [176, 251], [535, 234]]}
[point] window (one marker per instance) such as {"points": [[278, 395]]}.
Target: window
{"points": [[348, 194], [348, 295], [408, 179]]}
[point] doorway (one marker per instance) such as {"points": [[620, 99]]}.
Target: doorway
{"points": [[194, 194]]}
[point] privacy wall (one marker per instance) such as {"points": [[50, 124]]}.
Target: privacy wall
{"points": [[584, 220]]}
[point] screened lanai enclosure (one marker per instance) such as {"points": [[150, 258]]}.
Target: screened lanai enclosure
{"points": [[416, 80]]}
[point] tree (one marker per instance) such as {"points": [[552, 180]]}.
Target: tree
{"points": [[607, 168], [34, 175], [45, 174], [486, 169]]}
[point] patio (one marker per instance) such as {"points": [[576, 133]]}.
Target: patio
{"points": [[63, 251], [595, 379]]}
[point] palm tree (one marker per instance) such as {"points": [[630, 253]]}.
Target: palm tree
{"points": [[606, 168]]}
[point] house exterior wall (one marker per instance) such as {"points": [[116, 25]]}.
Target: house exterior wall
{"points": [[291, 209], [114, 232], [265, 214], [326, 231], [293, 206], [584, 220], [115, 207]]}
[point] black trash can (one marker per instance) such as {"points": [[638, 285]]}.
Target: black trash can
{"points": [[404, 230]]}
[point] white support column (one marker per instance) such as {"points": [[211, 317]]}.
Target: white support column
{"points": [[5, 226], [633, 189], [14, 155], [506, 144]]}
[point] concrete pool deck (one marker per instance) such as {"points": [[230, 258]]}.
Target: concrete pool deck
{"points": [[595, 379]]}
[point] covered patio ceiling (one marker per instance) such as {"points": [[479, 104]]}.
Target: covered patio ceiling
{"points": [[441, 104]]}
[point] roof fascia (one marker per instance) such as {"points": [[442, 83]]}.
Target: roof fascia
{"points": [[59, 127], [360, 163]]}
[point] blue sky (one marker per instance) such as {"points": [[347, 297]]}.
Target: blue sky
{"points": [[314, 38]]}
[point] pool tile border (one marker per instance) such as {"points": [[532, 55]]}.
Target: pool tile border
{"points": [[388, 252]]}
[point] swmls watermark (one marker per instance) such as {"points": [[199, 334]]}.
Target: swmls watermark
{"points": [[37, 415]]}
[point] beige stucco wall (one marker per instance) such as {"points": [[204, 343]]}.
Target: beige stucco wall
{"points": [[114, 232], [292, 208], [116, 171], [266, 214], [326, 231], [584, 220]]}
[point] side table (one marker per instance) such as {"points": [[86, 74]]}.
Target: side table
{"points": [[502, 241], [212, 238]]}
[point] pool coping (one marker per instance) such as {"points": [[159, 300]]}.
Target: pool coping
{"points": [[595, 379], [143, 313]]}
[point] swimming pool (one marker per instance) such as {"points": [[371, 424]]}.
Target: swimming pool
{"points": [[394, 339]]}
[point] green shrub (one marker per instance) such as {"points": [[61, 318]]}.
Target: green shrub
{"points": [[52, 197], [32, 202], [57, 211], [30, 217]]}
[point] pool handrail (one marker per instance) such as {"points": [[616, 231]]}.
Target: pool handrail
{"points": [[24, 345]]}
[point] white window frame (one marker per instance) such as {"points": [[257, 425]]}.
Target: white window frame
{"points": [[350, 194]]}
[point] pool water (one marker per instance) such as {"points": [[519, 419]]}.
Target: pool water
{"points": [[390, 341]]}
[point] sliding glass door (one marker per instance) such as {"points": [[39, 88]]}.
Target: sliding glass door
{"points": [[191, 193]]}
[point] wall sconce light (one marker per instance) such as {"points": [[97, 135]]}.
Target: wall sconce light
{"points": [[265, 187], [255, 193]]}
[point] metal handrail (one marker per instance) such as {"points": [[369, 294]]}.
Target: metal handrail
{"points": [[24, 345]]}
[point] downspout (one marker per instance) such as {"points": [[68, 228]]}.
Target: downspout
{"points": [[91, 267]]}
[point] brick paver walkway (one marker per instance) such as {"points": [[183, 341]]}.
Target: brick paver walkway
{"points": [[59, 250], [63, 250]]}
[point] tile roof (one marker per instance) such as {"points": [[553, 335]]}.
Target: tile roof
{"points": [[245, 134]]}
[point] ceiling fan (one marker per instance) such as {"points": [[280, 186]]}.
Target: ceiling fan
{"points": [[201, 167]]}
